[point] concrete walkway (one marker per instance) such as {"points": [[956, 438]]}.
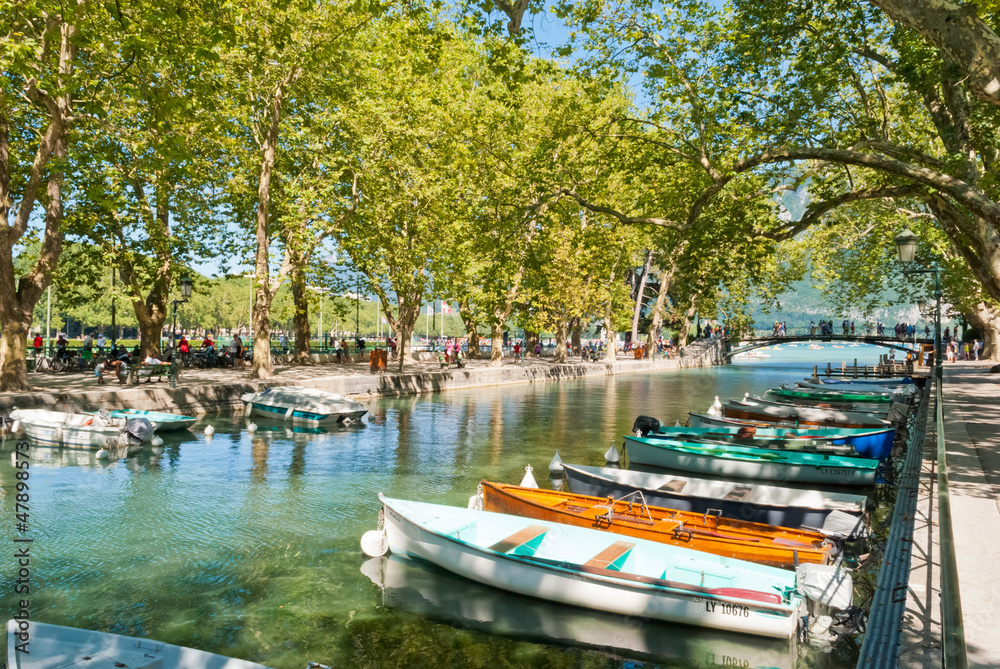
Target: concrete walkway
{"points": [[202, 391], [972, 439]]}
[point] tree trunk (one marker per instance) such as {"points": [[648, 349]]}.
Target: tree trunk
{"points": [[301, 317], [959, 32], [471, 329], [682, 336], [531, 339], [150, 331], [986, 319], [575, 331], [496, 345], [261, 312], [656, 324], [18, 296], [403, 327], [639, 295], [562, 329]]}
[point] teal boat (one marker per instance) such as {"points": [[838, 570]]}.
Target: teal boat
{"points": [[162, 421], [592, 569], [790, 394], [752, 463]]}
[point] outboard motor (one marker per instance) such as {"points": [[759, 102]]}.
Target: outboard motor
{"points": [[898, 413], [643, 425], [135, 431]]}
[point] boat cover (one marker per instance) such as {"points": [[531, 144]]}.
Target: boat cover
{"points": [[827, 584], [312, 400]]}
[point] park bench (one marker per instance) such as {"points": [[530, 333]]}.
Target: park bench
{"points": [[149, 371]]}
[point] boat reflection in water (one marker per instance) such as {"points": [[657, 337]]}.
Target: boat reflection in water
{"points": [[422, 589]]}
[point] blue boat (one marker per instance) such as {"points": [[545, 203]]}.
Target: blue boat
{"points": [[876, 444]]}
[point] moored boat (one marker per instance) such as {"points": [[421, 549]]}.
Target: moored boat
{"points": [[881, 410], [427, 591], [826, 512], [862, 388], [161, 420], [77, 430], [754, 542], [595, 570], [303, 405], [755, 463], [803, 394], [803, 415], [46, 646], [868, 443]]}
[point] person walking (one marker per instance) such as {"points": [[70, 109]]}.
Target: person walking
{"points": [[517, 351], [975, 349], [236, 348]]}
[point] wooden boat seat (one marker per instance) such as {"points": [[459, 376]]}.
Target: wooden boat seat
{"points": [[673, 486], [523, 542], [738, 493], [612, 557]]}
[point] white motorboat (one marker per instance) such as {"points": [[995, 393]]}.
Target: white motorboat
{"points": [[76, 430], [303, 405], [45, 646], [589, 568]]}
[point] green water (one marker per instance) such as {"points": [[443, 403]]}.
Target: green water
{"points": [[248, 545]]}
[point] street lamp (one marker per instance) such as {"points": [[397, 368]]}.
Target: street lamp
{"points": [[186, 284], [906, 248]]}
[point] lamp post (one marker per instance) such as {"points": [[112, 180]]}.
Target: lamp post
{"points": [[906, 249], [186, 284]]}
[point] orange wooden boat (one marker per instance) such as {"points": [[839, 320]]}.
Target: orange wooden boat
{"points": [[754, 542]]}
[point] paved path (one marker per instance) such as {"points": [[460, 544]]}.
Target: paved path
{"points": [[972, 438]]}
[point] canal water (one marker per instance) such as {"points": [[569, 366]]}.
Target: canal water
{"points": [[248, 545]]}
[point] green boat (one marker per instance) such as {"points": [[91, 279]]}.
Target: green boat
{"points": [[753, 463], [857, 398]]}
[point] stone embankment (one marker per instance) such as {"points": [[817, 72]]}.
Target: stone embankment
{"points": [[201, 391]]}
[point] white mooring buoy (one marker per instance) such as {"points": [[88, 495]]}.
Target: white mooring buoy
{"points": [[716, 408], [556, 466], [374, 543], [156, 440], [102, 454], [677, 423], [209, 430], [528, 481], [612, 455], [251, 427]]}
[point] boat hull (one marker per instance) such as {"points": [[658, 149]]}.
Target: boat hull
{"points": [[553, 583], [164, 422], [305, 406], [876, 444], [763, 544], [55, 428], [789, 508], [828, 470], [802, 416], [55, 646]]}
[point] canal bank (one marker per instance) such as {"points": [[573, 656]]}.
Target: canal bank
{"points": [[207, 391]]}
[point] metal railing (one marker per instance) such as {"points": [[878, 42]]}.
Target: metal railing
{"points": [[952, 629]]}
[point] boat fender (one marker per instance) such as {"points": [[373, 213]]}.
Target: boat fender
{"points": [[476, 501], [528, 481], [209, 430], [89, 421], [612, 455], [57, 434], [375, 543], [677, 423], [556, 465], [826, 583], [16, 427], [288, 414], [156, 440]]}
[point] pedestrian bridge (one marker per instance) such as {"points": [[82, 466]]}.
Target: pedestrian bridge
{"points": [[752, 343]]}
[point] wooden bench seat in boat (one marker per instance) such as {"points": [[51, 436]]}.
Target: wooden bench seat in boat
{"points": [[522, 542], [612, 557]]}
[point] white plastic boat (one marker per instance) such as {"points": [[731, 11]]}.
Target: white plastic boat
{"points": [[77, 430], [303, 405], [421, 589], [57, 647], [595, 570]]}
